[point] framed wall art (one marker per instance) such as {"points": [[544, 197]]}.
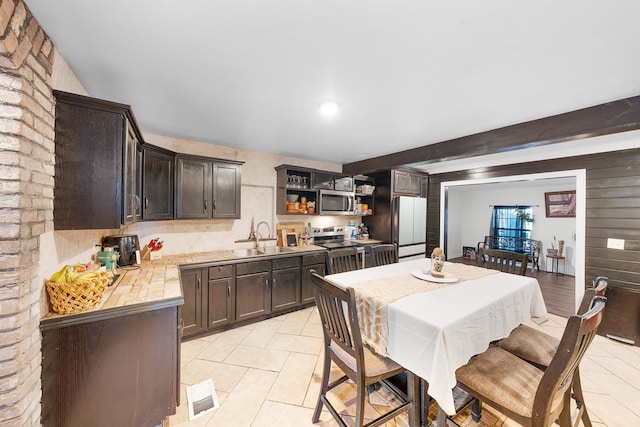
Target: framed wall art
{"points": [[560, 204]]}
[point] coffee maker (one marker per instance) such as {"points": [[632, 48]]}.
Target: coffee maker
{"points": [[127, 245]]}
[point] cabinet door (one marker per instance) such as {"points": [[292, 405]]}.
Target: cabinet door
{"points": [[285, 288], [191, 312], [253, 296], [226, 190], [132, 177], [89, 166], [407, 183], [157, 185], [193, 188], [307, 285], [221, 302]]}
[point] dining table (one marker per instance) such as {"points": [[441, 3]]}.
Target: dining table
{"points": [[434, 325]]}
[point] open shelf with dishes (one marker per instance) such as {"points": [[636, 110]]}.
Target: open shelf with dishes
{"points": [[294, 195], [365, 188], [298, 190]]}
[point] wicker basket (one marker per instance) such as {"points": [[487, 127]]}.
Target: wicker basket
{"points": [[76, 297]]}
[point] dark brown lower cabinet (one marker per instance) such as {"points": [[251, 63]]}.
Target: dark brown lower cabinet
{"points": [[224, 293], [192, 313], [311, 262], [222, 296], [285, 283], [110, 370], [253, 293]]}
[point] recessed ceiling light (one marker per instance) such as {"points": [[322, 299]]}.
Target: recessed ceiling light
{"points": [[329, 108]]}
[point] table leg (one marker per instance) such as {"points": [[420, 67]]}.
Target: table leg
{"points": [[414, 395]]}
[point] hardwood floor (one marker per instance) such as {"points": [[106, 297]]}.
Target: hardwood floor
{"points": [[558, 291]]}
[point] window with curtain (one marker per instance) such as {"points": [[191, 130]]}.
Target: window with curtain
{"points": [[508, 221]]}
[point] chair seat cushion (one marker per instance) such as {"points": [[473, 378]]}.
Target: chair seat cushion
{"points": [[531, 345], [375, 365], [503, 378]]}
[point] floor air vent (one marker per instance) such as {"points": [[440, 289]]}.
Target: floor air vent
{"points": [[201, 398]]}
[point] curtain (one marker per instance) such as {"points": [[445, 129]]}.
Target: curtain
{"points": [[506, 223]]}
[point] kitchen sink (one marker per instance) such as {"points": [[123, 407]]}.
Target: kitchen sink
{"points": [[245, 252], [275, 250]]}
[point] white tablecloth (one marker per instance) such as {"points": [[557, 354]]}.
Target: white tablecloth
{"points": [[434, 333]]}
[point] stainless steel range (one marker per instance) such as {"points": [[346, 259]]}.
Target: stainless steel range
{"points": [[333, 238]]}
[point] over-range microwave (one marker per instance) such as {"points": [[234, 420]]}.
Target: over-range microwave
{"points": [[333, 202]]}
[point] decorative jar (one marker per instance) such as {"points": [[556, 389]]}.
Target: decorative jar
{"points": [[437, 262]]}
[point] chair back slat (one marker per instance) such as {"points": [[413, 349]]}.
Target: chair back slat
{"points": [[336, 315], [557, 379], [504, 261], [383, 254], [342, 260]]}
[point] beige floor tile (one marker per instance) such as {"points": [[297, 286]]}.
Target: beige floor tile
{"points": [[225, 377], [283, 415], [313, 326], [595, 364], [244, 402], [311, 395], [614, 387], [628, 373], [610, 411], [191, 349], [261, 334], [294, 323], [258, 358], [296, 343], [218, 350], [293, 381]]}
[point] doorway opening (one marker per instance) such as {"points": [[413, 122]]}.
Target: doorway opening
{"points": [[466, 206]]}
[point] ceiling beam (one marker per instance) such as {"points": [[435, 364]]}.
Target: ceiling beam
{"points": [[604, 119]]}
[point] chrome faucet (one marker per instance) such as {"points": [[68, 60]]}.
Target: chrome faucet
{"points": [[258, 235]]}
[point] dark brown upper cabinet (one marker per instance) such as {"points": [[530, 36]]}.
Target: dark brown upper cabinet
{"points": [[157, 183], [405, 182], [207, 188], [97, 169]]}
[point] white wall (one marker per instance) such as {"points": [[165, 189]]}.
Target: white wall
{"points": [[470, 208]]}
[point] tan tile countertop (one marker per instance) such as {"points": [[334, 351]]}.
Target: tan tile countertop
{"points": [[157, 282]]}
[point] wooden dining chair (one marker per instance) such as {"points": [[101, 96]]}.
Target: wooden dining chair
{"points": [[538, 348], [382, 254], [523, 392], [342, 260], [343, 346], [504, 261]]}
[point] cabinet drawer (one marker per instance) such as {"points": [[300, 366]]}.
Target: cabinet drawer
{"points": [[220, 271], [313, 259], [281, 263], [253, 267]]}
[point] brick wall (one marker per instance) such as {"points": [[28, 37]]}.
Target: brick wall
{"points": [[26, 205]]}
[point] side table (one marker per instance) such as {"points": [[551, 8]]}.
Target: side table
{"points": [[555, 259]]}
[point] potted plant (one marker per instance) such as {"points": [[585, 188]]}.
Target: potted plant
{"points": [[523, 216]]}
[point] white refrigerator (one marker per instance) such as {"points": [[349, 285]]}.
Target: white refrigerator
{"points": [[409, 227]]}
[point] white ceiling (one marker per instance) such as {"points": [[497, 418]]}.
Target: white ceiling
{"points": [[251, 74]]}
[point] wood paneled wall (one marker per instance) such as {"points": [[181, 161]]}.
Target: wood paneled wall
{"points": [[612, 208]]}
